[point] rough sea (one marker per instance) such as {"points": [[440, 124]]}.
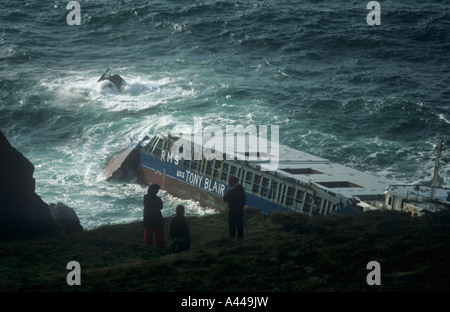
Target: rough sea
{"points": [[373, 97]]}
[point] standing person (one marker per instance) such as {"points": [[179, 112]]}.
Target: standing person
{"points": [[153, 220], [235, 198], [179, 231]]}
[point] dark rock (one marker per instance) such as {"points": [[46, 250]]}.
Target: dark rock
{"points": [[66, 218], [23, 213], [16, 174]]}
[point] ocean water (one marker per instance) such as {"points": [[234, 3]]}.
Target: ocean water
{"points": [[374, 97]]}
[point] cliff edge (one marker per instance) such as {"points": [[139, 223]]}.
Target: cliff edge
{"points": [[23, 214]]}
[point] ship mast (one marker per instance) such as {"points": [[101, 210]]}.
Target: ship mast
{"points": [[436, 169]]}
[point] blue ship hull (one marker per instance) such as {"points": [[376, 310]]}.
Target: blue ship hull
{"points": [[186, 184]]}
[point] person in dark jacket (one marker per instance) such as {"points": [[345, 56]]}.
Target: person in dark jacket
{"points": [[179, 231], [153, 220], [235, 198]]}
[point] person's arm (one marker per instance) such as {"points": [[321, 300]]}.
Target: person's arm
{"points": [[228, 195]]}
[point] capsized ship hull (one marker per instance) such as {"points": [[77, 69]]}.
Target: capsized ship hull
{"points": [[186, 184], [302, 182]]}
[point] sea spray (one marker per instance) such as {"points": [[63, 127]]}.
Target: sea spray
{"points": [[367, 96]]}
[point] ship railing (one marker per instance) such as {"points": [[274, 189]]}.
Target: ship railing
{"points": [[269, 186]]}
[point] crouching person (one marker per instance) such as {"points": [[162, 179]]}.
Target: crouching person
{"points": [[179, 231]]}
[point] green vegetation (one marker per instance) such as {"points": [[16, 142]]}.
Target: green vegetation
{"points": [[280, 252]]}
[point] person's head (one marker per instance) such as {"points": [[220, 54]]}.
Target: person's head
{"points": [[153, 189], [232, 181], [180, 210]]}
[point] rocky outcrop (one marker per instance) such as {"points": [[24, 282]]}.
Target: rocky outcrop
{"points": [[23, 213], [66, 218]]}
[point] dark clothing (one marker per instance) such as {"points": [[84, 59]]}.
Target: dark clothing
{"points": [[180, 233], [235, 198], [179, 227], [152, 211], [153, 220], [236, 223]]}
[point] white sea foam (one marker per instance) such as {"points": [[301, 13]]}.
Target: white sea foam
{"points": [[138, 93], [444, 118], [335, 92], [73, 171]]}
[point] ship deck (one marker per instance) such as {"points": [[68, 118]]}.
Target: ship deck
{"points": [[309, 169], [328, 175]]}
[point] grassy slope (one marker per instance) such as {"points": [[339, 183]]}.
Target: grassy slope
{"points": [[280, 252]]}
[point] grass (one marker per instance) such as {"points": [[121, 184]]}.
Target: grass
{"points": [[281, 252]]}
